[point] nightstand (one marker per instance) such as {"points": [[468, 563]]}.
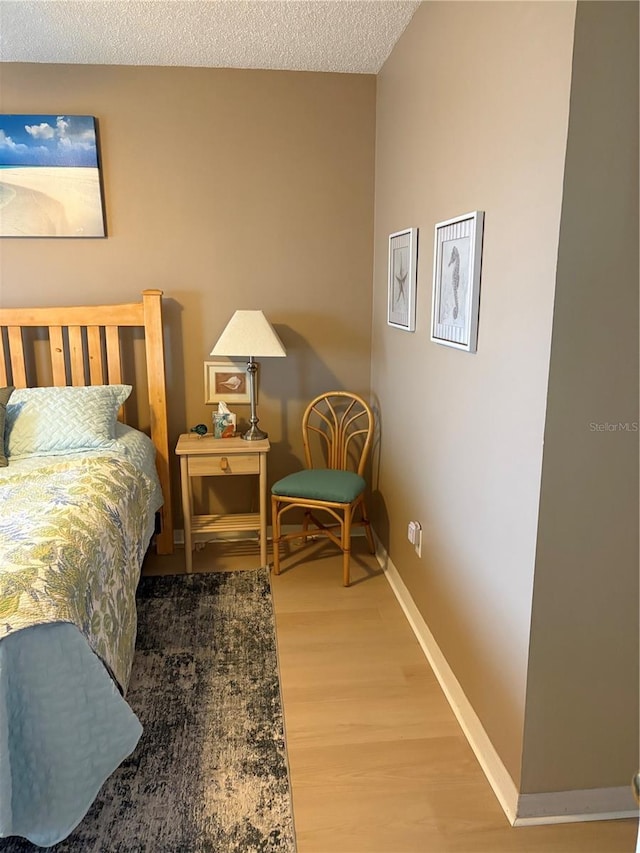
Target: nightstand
{"points": [[206, 456]]}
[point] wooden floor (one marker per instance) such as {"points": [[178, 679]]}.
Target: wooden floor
{"points": [[377, 759]]}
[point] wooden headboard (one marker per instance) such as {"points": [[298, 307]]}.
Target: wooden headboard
{"points": [[85, 347]]}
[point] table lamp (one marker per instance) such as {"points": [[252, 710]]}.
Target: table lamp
{"points": [[249, 333]]}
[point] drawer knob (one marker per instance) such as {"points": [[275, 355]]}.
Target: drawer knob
{"points": [[224, 463]]}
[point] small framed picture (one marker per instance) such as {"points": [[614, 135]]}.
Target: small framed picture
{"points": [[457, 261], [225, 381], [401, 290]]}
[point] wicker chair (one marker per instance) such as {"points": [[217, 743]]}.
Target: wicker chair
{"points": [[337, 431]]}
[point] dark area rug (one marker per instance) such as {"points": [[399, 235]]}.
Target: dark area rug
{"points": [[209, 774]]}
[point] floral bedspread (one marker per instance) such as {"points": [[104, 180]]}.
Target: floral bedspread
{"points": [[72, 538]]}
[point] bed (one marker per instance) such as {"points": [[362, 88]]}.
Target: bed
{"points": [[83, 492]]}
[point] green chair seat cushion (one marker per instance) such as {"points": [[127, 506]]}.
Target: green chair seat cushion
{"points": [[322, 484]]}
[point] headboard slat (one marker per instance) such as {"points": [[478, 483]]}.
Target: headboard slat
{"points": [[4, 376], [76, 355], [16, 352], [94, 343], [114, 364], [56, 350]]}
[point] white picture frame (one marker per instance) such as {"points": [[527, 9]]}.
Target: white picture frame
{"points": [[226, 381], [457, 262], [401, 282]]}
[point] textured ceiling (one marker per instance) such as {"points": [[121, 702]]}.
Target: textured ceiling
{"points": [[325, 35]]}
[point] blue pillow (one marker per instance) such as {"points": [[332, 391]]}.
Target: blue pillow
{"points": [[54, 421], [5, 393]]}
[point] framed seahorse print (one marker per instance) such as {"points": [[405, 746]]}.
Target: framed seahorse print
{"points": [[401, 290], [457, 263]]}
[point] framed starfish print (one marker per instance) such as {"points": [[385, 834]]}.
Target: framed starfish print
{"points": [[401, 290]]}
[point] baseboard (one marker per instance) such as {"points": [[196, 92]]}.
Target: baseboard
{"points": [[572, 806], [492, 766], [520, 809]]}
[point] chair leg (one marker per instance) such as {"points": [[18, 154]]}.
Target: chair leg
{"points": [[275, 526], [346, 546], [306, 520]]}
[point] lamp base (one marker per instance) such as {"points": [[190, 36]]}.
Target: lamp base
{"points": [[254, 434]]}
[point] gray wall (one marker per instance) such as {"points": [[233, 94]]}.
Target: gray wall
{"points": [[529, 572], [581, 727], [472, 113]]}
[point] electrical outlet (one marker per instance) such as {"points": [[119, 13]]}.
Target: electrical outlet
{"points": [[414, 535]]}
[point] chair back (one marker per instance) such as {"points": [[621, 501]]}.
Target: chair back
{"points": [[337, 431]]}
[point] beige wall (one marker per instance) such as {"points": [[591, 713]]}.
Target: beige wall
{"points": [[472, 113], [581, 726], [227, 189]]}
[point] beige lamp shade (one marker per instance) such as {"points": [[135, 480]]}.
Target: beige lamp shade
{"points": [[249, 333]]}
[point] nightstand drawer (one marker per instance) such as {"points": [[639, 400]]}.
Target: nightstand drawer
{"points": [[219, 465]]}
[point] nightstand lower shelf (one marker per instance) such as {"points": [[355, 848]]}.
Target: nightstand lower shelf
{"points": [[228, 523]]}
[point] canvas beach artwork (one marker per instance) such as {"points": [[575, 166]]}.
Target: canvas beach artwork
{"points": [[49, 177]]}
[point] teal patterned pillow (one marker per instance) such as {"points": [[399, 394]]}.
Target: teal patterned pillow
{"points": [[5, 393], [53, 421]]}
